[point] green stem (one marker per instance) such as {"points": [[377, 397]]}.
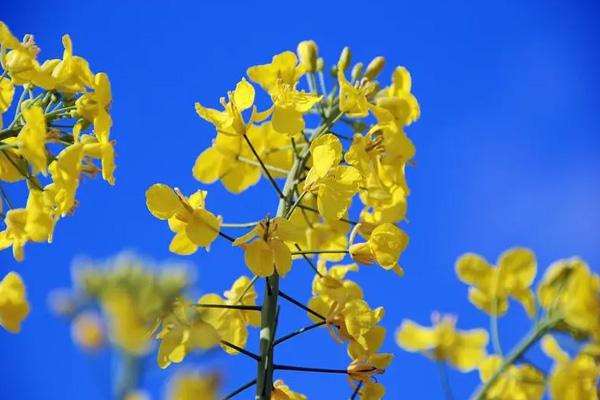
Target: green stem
{"points": [[543, 327], [268, 319], [443, 371]]}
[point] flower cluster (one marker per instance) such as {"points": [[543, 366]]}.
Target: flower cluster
{"points": [[351, 162], [568, 299], [60, 128]]}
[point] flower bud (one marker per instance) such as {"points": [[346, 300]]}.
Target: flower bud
{"points": [[320, 64], [87, 332], [374, 68], [345, 59], [357, 71], [308, 53]]}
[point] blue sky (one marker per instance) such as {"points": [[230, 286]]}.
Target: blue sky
{"points": [[508, 154]]}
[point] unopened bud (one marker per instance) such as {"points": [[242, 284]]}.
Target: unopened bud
{"points": [[308, 53], [357, 71], [345, 59], [374, 68], [320, 64]]}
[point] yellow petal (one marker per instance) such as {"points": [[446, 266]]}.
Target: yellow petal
{"points": [[474, 270], [287, 120], [259, 258], [243, 96], [517, 268], [182, 245], [162, 201], [282, 257], [203, 228], [414, 337]]}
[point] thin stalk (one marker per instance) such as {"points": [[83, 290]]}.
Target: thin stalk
{"points": [[538, 331], [226, 236], [250, 284], [320, 252], [356, 391], [308, 260], [494, 331], [310, 369], [241, 350], [264, 167], [300, 305], [298, 332], [443, 372], [258, 164], [296, 204], [230, 306], [348, 221], [240, 390], [240, 224]]}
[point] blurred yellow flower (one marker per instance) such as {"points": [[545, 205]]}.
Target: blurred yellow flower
{"points": [[517, 382], [573, 378], [465, 350], [87, 331], [193, 386], [570, 290], [491, 287]]}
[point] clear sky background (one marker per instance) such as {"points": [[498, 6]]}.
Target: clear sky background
{"points": [[508, 154]]}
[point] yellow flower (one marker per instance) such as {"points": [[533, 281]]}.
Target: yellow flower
{"points": [[65, 171], [193, 225], [183, 331], [13, 302], [353, 319], [572, 379], [32, 138], [230, 121], [193, 386], [7, 91], [354, 99], [11, 164], [269, 251], [463, 349], [282, 392], [522, 382], [364, 369], [279, 79], [398, 99], [334, 184], [87, 331], [330, 285], [384, 246], [126, 327], [230, 159], [72, 74], [571, 289], [231, 324], [32, 223], [491, 287], [20, 62], [94, 107]]}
